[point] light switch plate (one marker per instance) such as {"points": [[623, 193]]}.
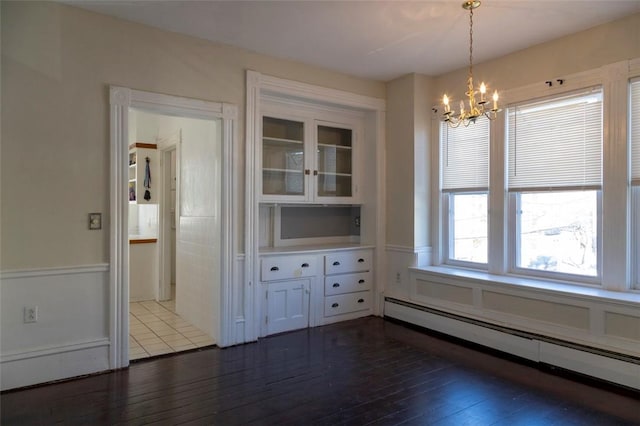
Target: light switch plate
{"points": [[95, 220]]}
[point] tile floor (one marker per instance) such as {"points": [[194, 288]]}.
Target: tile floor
{"points": [[155, 329]]}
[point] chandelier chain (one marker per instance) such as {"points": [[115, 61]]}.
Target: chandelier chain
{"points": [[470, 42]]}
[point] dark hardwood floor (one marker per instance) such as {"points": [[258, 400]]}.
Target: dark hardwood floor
{"points": [[367, 371]]}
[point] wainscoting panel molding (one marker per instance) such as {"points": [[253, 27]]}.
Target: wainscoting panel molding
{"points": [[70, 337], [588, 331]]}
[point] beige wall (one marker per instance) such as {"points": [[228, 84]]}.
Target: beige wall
{"points": [[399, 157], [582, 51], [57, 64], [407, 159]]}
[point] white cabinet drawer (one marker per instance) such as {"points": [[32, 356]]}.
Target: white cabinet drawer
{"points": [[348, 261], [347, 283], [346, 303], [285, 267]]}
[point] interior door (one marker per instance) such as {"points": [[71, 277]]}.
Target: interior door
{"points": [[287, 305], [198, 232]]}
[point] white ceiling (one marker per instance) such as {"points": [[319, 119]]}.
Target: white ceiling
{"points": [[373, 39]]}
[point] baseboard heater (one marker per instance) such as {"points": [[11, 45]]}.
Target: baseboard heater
{"points": [[618, 368]]}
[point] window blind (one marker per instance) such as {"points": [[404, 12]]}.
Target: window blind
{"points": [[465, 157], [556, 144], [634, 131]]}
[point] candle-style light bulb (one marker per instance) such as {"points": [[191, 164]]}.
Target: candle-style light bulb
{"points": [[445, 101], [483, 90], [495, 100], [461, 107]]}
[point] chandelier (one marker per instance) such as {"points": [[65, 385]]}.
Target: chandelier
{"points": [[476, 108]]}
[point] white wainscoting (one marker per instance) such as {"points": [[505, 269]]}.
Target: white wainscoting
{"points": [[591, 332], [71, 336], [399, 259]]}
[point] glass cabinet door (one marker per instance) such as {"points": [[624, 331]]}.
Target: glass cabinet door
{"points": [[334, 162], [282, 157]]}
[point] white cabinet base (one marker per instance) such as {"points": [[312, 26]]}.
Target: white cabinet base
{"points": [[308, 288], [287, 304]]}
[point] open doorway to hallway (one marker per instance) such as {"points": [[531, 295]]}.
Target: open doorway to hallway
{"points": [[174, 232]]}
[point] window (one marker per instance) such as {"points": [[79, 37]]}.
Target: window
{"points": [[465, 184], [634, 138], [554, 180]]}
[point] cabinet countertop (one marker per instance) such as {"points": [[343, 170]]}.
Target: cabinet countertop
{"points": [[142, 239], [270, 251]]}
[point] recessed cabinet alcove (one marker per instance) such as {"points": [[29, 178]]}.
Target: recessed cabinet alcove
{"points": [[315, 226]]}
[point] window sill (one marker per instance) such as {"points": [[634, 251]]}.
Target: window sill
{"points": [[552, 287]]}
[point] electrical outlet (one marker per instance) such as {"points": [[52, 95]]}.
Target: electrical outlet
{"points": [[30, 314], [398, 277]]}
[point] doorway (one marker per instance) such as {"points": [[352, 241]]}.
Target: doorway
{"points": [[201, 137], [174, 241]]}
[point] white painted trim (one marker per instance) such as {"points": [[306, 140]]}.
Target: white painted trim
{"points": [[252, 216], [516, 283], [53, 350], [63, 270], [228, 240], [69, 361], [595, 365], [399, 249], [121, 99], [281, 87]]}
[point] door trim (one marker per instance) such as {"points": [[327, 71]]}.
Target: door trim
{"points": [[121, 99]]}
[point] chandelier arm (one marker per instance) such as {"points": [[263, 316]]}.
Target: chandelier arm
{"points": [[476, 109]]}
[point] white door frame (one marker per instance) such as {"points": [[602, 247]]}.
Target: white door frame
{"points": [[164, 222], [121, 99]]}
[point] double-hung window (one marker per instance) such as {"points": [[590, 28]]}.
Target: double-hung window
{"points": [[465, 184], [554, 181], [634, 137]]}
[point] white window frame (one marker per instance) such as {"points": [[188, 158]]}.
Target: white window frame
{"points": [[513, 229], [448, 227], [634, 194], [446, 208], [635, 232], [514, 244], [619, 204]]}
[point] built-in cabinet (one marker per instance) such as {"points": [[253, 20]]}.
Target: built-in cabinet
{"points": [[314, 191], [303, 289], [287, 282], [308, 160], [143, 173], [347, 282]]}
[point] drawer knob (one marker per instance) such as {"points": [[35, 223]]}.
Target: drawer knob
{"points": [[336, 284], [360, 281], [274, 269], [335, 305], [360, 300], [361, 260], [336, 263], [305, 265]]}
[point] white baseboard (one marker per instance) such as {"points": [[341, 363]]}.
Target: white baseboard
{"points": [[53, 363], [620, 370]]}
